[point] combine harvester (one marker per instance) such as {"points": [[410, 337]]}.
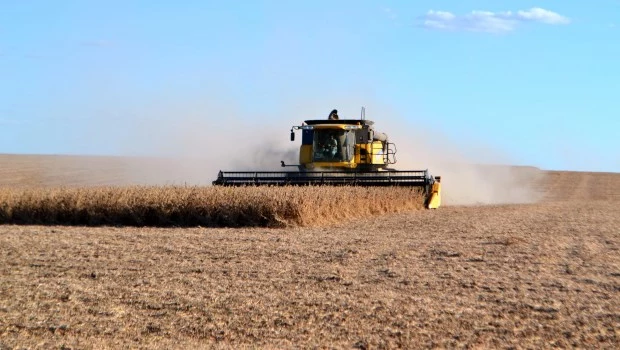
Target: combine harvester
{"points": [[336, 152]]}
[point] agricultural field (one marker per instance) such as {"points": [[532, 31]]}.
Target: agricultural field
{"points": [[531, 275]]}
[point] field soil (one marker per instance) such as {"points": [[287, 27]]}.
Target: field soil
{"points": [[536, 275]]}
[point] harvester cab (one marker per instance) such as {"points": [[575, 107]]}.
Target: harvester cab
{"points": [[337, 151], [343, 145]]}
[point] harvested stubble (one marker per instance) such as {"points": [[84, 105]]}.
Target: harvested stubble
{"points": [[201, 206]]}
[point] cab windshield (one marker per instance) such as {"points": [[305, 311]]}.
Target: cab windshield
{"points": [[333, 145]]}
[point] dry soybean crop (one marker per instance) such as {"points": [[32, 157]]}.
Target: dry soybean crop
{"points": [[202, 206]]}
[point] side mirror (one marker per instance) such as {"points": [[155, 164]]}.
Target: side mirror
{"points": [[292, 135]]}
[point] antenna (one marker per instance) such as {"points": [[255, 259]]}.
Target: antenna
{"points": [[363, 113]]}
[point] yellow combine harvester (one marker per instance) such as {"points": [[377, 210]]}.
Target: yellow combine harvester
{"points": [[337, 151]]}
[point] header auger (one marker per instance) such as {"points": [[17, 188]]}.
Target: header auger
{"points": [[336, 151]]}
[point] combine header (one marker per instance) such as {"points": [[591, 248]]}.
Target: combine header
{"points": [[341, 152]]}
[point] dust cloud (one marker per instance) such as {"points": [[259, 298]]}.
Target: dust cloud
{"points": [[471, 172], [191, 145]]}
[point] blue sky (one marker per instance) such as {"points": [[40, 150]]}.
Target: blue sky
{"points": [[537, 80]]}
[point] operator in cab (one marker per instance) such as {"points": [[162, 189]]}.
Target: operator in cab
{"points": [[332, 145]]}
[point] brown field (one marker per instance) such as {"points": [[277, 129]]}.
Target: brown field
{"points": [[503, 276]]}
